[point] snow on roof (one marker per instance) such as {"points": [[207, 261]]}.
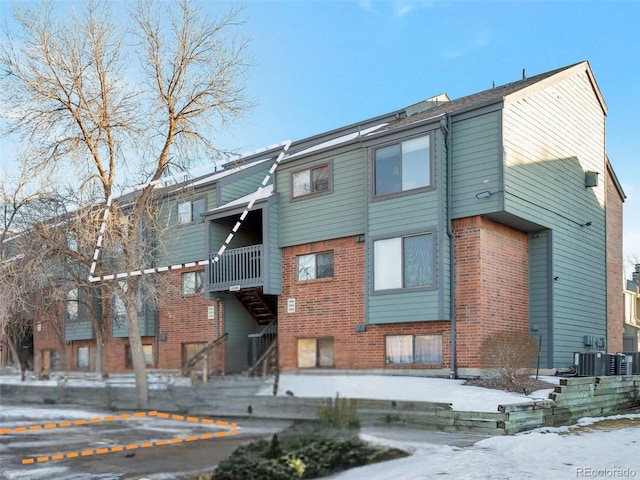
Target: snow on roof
{"points": [[337, 140], [260, 194]]}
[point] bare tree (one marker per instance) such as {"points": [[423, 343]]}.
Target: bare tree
{"points": [[19, 192], [116, 111]]}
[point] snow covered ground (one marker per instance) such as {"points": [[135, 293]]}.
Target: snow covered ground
{"points": [[546, 453], [389, 387]]}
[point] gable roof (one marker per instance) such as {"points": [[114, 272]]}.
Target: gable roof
{"points": [[496, 95]]}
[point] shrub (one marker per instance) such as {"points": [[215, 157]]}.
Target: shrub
{"points": [[341, 413], [510, 356]]}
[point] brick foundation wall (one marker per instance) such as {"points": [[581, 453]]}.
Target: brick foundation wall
{"points": [[491, 284], [332, 307], [615, 271]]}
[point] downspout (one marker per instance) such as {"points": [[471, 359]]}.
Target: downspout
{"points": [[446, 126]]}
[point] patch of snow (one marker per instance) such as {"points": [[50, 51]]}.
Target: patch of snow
{"points": [[544, 453], [389, 387]]}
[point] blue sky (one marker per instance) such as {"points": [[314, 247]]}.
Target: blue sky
{"points": [[321, 65], [325, 64]]}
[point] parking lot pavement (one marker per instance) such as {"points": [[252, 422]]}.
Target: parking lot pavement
{"points": [[100, 437]]}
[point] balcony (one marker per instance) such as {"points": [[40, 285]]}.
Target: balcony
{"points": [[235, 269]]}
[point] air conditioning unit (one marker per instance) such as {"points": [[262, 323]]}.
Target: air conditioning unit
{"points": [[618, 364], [633, 362], [591, 364]]}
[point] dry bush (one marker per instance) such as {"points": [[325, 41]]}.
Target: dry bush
{"points": [[510, 356]]}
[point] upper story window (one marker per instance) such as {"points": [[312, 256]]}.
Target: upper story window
{"points": [[192, 282], [402, 166], [72, 305], [190, 211], [315, 265], [403, 262], [310, 181]]}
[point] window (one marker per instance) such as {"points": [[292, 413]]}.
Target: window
{"points": [[83, 358], [403, 166], [315, 265], [312, 180], [403, 262], [191, 211], [147, 352], [192, 282], [413, 349], [315, 352], [72, 305]]}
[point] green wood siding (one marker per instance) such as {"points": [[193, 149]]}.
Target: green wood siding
{"points": [[551, 137], [337, 214], [476, 164], [412, 213], [147, 322], [273, 283], [539, 300], [82, 329], [181, 243], [238, 324], [243, 183]]}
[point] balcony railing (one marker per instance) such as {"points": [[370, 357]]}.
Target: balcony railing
{"points": [[236, 268]]}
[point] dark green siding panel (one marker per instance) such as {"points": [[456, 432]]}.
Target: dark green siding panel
{"points": [[401, 214], [184, 243], [551, 138], [404, 307], [81, 330], [274, 254], [146, 322], [539, 301], [238, 324], [332, 215], [476, 164], [238, 185]]}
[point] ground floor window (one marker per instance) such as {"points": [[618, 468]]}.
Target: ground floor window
{"points": [[83, 358], [413, 349], [315, 352], [147, 351]]}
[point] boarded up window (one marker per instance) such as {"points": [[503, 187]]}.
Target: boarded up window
{"points": [[315, 352]]}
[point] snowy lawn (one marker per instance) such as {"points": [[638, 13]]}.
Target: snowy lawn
{"points": [[388, 387], [545, 453]]}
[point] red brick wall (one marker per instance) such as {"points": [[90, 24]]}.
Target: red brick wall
{"points": [[492, 292], [50, 336], [615, 273], [332, 307], [183, 318]]}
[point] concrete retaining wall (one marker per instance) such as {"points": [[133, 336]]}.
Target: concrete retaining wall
{"points": [[572, 399]]}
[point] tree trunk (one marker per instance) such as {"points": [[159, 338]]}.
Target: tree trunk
{"points": [[14, 352], [99, 344], [135, 345]]}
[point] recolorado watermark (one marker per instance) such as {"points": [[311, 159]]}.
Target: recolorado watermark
{"points": [[617, 472]]}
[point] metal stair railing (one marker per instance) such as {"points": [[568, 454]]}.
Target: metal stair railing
{"points": [[202, 353]]}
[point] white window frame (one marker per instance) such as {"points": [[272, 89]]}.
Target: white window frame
{"points": [[72, 307]]}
